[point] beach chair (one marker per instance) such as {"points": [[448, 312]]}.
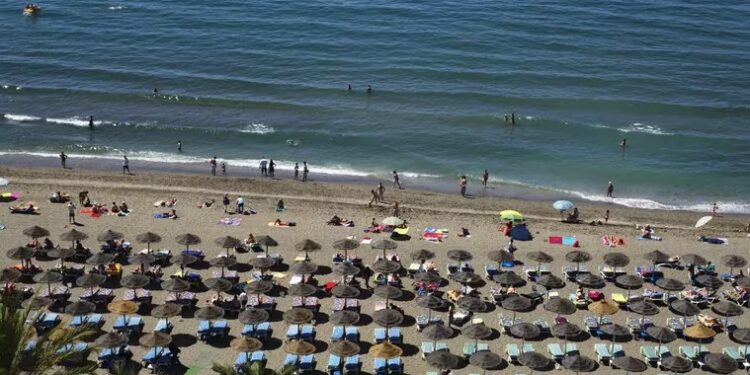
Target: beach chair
{"points": [[483, 347], [46, 321], [334, 365], [733, 353], [93, 320], [163, 325], [543, 326], [440, 345], [380, 334], [394, 335], [248, 330], [352, 333], [308, 332], [291, 360], [337, 333], [470, 347], [352, 364], [80, 349], [307, 364], [155, 353], [491, 271], [128, 324], [263, 330], [395, 365], [512, 351], [571, 348], [292, 332], [689, 352], [379, 366], [427, 348]]}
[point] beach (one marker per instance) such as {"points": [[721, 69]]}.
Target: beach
{"points": [[311, 204]]}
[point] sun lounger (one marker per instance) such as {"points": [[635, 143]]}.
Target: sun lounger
{"points": [[380, 305], [162, 325], [291, 360], [154, 353], [379, 334], [306, 364], [490, 271], [337, 333], [513, 352], [395, 365], [46, 321], [379, 366], [603, 353], [352, 333], [394, 335], [440, 345], [470, 347], [533, 272], [307, 332], [689, 352], [734, 354], [292, 332], [427, 348], [352, 364], [334, 363], [94, 320]]}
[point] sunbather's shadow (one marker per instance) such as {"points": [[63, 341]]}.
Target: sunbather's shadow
{"points": [[409, 350], [183, 340], [77, 224]]}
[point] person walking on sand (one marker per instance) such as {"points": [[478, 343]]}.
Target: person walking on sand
{"points": [[125, 164], [213, 165], [610, 190], [714, 209], [305, 171], [374, 197], [71, 213], [263, 166], [296, 171], [224, 168], [485, 177], [179, 146], [63, 160], [381, 192], [462, 183], [397, 180], [606, 217], [225, 202]]}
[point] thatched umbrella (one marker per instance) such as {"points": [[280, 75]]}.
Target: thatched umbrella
{"points": [[111, 340], [73, 236], [384, 245], [466, 277], [388, 318], [661, 334], [473, 304], [670, 285], [534, 361], [209, 313], [175, 286], [603, 308], [578, 257], [344, 317], [500, 256], [188, 239], [148, 238], [742, 282], [253, 316], [578, 363], [629, 282], [643, 308], [143, 259], [227, 243], [344, 348], [10, 275], [307, 246], [560, 306], [91, 280], [616, 260], [525, 331], [267, 241], [166, 311], [437, 332], [708, 281], [37, 303], [386, 266], [566, 331], [262, 263], [539, 257], [590, 281], [699, 332], [684, 308], [346, 291], [430, 302], [246, 344], [100, 259], [509, 278], [299, 347], [385, 350], [345, 269], [80, 308], [442, 360], [655, 257], [48, 277], [218, 284], [733, 261], [742, 336], [615, 331], [122, 307], [20, 253], [550, 281], [720, 363], [223, 262], [693, 259], [184, 260], [155, 339], [302, 290], [422, 255], [485, 360], [35, 232], [61, 253], [259, 287], [460, 256], [298, 316], [109, 235], [727, 309], [345, 245], [477, 332], [516, 304], [303, 268], [676, 363], [629, 364], [388, 292]]}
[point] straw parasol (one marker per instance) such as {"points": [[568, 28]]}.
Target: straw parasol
{"points": [[516, 304], [262, 263], [676, 363], [384, 245], [111, 340], [302, 290], [79, 308], [616, 260], [246, 344], [184, 260], [467, 277], [603, 307], [534, 360], [426, 277], [500, 256], [708, 281], [693, 259], [684, 307], [218, 284], [661, 334], [61, 253], [175, 285], [388, 292], [266, 241], [550, 281], [525, 331], [727, 309], [436, 332], [472, 304], [73, 236], [629, 364], [154, 339], [307, 246], [509, 278], [298, 316], [109, 235], [720, 363], [485, 360], [422, 255], [656, 257], [539, 257], [37, 303], [166, 311], [143, 259], [299, 347], [699, 332], [566, 331], [642, 308], [344, 317], [188, 239], [442, 360], [670, 285], [733, 261], [578, 363], [742, 282], [227, 243], [91, 280], [10, 275], [20, 253], [430, 302], [122, 307], [459, 255], [148, 238], [388, 317], [47, 277], [36, 232], [346, 291], [578, 257], [303, 268], [386, 266], [259, 287], [560, 306], [615, 331], [345, 269], [100, 259], [629, 282], [345, 245], [253, 316], [385, 350], [589, 280], [223, 262], [741, 335], [344, 348], [477, 331], [210, 312]]}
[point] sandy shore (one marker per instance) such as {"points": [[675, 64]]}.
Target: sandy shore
{"points": [[310, 205]]}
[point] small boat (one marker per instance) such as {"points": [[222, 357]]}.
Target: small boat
{"points": [[30, 10]]}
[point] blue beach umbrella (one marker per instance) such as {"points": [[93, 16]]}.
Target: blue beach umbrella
{"points": [[562, 205]]}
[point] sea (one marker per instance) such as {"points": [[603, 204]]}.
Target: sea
{"points": [[246, 80]]}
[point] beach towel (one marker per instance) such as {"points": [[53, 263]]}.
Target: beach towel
{"points": [[234, 221], [366, 241], [2, 227], [161, 216], [613, 241], [520, 233], [652, 238], [555, 240], [90, 212], [715, 240], [569, 240]]}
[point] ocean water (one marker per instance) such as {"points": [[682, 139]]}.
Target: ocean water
{"points": [[245, 80]]}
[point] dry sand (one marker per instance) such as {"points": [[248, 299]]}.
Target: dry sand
{"points": [[310, 205]]}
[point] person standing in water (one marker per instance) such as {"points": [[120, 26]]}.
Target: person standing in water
{"points": [[296, 171], [271, 168], [305, 171], [513, 118], [91, 122], [397, 180], [63, 160], [485, 177], [179, 146], [369, 89], [623, 143], [462, 184], [263, 166], [349, 87], [125, 164], [610, 190], [213, 165], [156, 92]]}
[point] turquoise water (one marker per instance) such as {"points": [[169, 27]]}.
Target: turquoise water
{"points": [[238, 80]]}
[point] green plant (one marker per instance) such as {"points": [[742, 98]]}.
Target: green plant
{"points": [[257, 368]]}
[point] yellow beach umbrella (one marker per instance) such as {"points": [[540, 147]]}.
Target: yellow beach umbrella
{"points": [[511, 215], [385, 350], [603, 307], [699, 332]]}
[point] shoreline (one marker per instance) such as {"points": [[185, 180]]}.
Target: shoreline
{"points": [[354, 193]]}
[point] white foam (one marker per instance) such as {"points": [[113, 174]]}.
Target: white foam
{"points": [[257, 128], [20, 118], [639, 127], [117, 7], [74, 121], [3, 182]]}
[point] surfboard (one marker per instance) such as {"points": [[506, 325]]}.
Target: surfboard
{"points": [[703, 221]]}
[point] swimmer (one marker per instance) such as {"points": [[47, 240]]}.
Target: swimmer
{"points": [[623, 143], [369, 89]]}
